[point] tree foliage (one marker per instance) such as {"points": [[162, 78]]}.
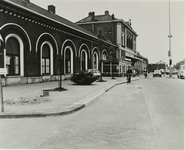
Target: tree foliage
{"points": [[177, 65], [100, 34], [112, 54]]}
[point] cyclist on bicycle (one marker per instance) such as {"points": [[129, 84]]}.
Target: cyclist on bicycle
{"points": [[129, 74], [145, 72]]}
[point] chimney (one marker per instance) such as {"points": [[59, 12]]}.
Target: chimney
{"points": [[93, 16], [130, 22], [106, 12], [90, 14], [112, 16], [51, 9]]}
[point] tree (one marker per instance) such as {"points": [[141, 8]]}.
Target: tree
{"points": [[112, 57], [177, 65], [60, 88], [101, 37]]}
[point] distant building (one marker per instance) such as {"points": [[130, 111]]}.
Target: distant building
{"points": [[157, 66], [120, 33]]}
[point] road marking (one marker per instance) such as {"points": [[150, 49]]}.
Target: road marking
{"points": [[154, 128]]}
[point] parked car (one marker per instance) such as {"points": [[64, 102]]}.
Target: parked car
{"points": [[84, 77], [162, 71], [174, 72], [95, 72], [167, 72], [157, 73], [181, 72]]}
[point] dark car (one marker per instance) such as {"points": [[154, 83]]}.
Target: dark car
{"points": [[83, 78]]}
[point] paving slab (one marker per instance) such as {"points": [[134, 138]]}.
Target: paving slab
{"points": [[57, 103]]}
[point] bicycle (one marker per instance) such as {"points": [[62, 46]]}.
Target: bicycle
{"points": [[129, 78]]}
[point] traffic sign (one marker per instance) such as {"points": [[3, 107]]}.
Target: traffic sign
{"points": [[3, 71]]}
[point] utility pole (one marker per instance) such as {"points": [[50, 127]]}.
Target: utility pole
{"points": [[2, 66], [170, 36]]}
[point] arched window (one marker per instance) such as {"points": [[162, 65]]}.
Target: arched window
{"points": [[127, 41], [13, 56], [68, 61], [104, 57], [95, 60], [46, 59], [83, 60]]}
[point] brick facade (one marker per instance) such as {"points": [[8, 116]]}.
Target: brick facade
{"points": [[32, 31]]}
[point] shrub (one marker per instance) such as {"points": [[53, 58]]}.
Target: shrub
{"points": [[83, 78]]}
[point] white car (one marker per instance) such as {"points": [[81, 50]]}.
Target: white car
{"points": [[157, 73], [95, 72]]}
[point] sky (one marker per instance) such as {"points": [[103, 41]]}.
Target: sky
{"points": [[149, 19]]}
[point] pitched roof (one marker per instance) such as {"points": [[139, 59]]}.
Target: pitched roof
{"points": [[101, 18], [96, 18], [160, 62], [28, 6]]}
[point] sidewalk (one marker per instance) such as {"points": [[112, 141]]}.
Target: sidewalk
{"points": [[27, 101]]}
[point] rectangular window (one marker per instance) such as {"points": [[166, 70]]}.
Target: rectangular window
{"points": [[47, 62], [16, 65], [45, 66], [8, 60], [16, 69], [8, 68], [121, 39], [8, 64], [47, 69], [12, 65], [69, 67]]}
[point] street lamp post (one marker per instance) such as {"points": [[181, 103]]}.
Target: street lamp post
{"points": [[60, 72], [170, 36]]}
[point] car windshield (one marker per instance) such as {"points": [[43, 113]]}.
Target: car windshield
{"points": [[156, 71]]}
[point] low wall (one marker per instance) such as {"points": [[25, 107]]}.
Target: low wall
{"points": [[14, 80]]}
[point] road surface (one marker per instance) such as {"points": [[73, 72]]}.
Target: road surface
{"points": [[146, 114]]}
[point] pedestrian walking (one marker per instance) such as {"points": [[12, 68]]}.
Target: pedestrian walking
{"points": [[134, 73]]}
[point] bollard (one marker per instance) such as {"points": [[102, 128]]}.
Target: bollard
{"points": [[45, 92]]}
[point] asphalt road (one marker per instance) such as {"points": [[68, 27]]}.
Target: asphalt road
{"points": [[148, 113]]}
